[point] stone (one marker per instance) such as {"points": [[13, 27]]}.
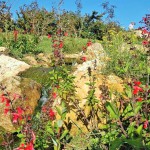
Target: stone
{"points": [[96, 58], [40, 60], [3, 49], [30, 60], [24, 87], [11, 67]]}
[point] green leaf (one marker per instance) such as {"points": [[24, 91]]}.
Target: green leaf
{"points": [[59, 123], [132, 142], [128, 91], [114, 113], [54, 142], [137, 107], [128, 111], [59, 111], [49, 129], [131, 129], [139, 130], [116, 144], [64, 134], [20, 135], [148, 70]]}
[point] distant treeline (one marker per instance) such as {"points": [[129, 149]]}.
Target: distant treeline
{"points": [[34, 20]]}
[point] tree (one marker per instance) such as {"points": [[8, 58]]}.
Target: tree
{"points": [[6, 21]]}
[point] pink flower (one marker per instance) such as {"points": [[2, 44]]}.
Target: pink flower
{"points": [[145, 124], [16, 96], [54, 95], [145, 42], [51, 114], [44, 109], [66, 34], [61, 45]]}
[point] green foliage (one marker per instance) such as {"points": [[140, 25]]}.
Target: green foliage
{"points": [[73, 45], [25, 44], [124, 61]]}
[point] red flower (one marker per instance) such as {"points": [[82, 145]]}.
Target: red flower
{"points": [[66, 34], [57, 86], [51, 114], [6, 110], [55, 45], [61, 45], [89, 43], [49, 36], [144, 31], [33, 137], [20, 111], [15, 35], [29, 146], [83, 58], [29, 117], [3, 98], [139, 99], [136, 89], [59, 31], [15, 117], [145, 42], [83, 48], [44, 109], [7, 102], [21, 147], [144, 19], [145, 124], [16, 96], [54, 95], [137, 83]]}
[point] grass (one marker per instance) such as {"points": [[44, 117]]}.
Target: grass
{"points": [[71, 45]]}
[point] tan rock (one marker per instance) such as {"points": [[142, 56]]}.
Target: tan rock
{"points": [[11, 67], [24, 87], [30, 60], [40, 60], [3, 49]]}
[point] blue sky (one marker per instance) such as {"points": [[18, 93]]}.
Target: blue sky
{"points": [[126, 11]]}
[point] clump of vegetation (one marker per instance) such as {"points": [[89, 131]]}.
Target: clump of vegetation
{"points": [[112, 122]]}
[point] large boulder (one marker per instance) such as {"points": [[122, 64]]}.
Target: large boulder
{"points": [[96, 58], [83, 76], [11, 67], [40, 60], [3, 50], [26, 88]]}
